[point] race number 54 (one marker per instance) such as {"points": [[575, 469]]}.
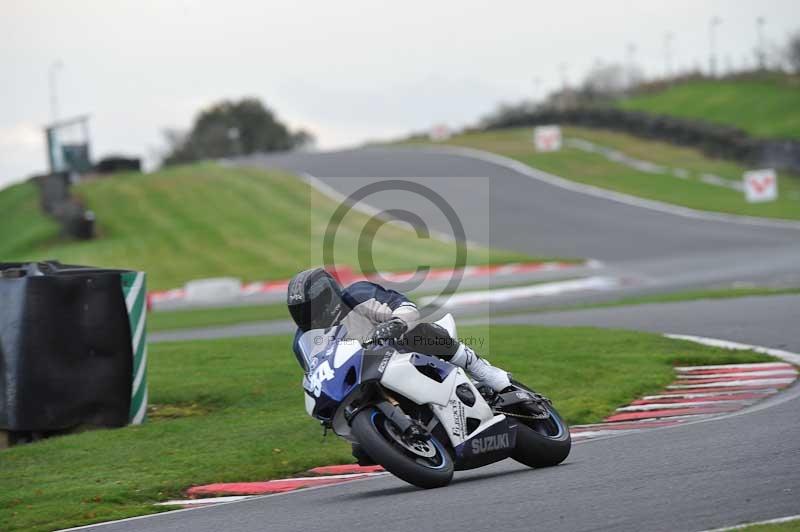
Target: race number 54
{"points": [[323, 373]]}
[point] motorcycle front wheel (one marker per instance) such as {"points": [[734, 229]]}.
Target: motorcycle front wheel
{"points": [[541, 442], [426, 464]]}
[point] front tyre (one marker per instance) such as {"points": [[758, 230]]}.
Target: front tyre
{"points": [[423, 464], [541, 442]]}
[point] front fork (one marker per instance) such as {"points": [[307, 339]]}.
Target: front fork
{"points": [[390, 408]]}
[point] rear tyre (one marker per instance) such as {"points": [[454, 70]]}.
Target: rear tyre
{"points": [[424, 464], [541, 442]]}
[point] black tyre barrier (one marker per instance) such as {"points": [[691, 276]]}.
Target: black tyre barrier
{"points": [[116, 163], [68, 348], [714, 140]]}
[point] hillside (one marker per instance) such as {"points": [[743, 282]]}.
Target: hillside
{"points": [[206, 220], [768, 107], [24, 227]]}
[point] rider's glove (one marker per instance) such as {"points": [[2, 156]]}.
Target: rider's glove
{"points": [[388, 330]]}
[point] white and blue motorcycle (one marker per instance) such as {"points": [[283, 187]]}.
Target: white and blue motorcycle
{"points": [[420, 417]]}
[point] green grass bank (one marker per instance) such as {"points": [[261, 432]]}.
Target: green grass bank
{"points": [[766, 107], [206, 220]]}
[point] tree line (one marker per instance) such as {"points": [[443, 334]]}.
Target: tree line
{"points": [[232, 128]]}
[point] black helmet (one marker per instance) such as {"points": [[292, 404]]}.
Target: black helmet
{"points": [[314, 299]]}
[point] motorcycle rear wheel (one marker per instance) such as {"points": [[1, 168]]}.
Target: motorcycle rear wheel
{"points": [[426, 465]]}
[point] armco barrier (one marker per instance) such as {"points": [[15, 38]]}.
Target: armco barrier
{"points": [[72, 348]]}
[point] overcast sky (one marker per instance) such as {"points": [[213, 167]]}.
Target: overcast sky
{"points": [[346, 70]]}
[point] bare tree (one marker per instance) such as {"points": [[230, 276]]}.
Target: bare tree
{"points": [[609, 81]]}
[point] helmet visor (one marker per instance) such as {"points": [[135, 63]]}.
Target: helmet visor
{"points": [[321, 305]]}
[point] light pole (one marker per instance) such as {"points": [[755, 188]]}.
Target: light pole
{"points": [[668, 55], [563, 95], [631, 54], [55, 67], [712, 51], [760, 31]]}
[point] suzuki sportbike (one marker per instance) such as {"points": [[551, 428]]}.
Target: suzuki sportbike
{"points": [[420, 417]]}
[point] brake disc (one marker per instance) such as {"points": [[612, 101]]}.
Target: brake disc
{"points": [[423, 448]]}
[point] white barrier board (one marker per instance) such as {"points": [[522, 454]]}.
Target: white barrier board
{"points": [[439, 132], [547, 138], [213, 290], [761, 185]]}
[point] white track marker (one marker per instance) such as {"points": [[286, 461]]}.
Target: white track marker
{"points": [[323, 477], [205, 501], [367, 209], [667, 406], [769, 373], [700, 395], [666, 419], [589, 434], [787, 519], [731, 384], [755, 365], [520, 292]]}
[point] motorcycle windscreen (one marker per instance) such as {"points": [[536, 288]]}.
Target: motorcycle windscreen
{"points": [[334, 369], [319, 341]]}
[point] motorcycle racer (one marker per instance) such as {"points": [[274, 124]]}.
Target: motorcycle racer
{"points": [[372, 313]]}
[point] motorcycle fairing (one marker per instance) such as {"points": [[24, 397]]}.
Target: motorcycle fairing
{"points": [[334, 370], [494, 442], [461, 421]]}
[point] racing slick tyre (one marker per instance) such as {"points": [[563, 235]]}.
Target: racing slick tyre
{"points": [[541, 442], [426, 464]]}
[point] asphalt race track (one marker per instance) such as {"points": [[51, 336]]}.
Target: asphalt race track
{"points": [[652, 251], [744, 467], [527, 215]]}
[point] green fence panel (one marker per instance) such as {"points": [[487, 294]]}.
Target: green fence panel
{"points": [[134, 289]]}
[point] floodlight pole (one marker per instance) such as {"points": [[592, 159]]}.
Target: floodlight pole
{"points": [[668, 54], [52, 72], [631, 64], [712, 54], [761, 54]]}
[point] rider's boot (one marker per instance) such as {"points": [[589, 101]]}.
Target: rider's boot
{"points": [[480, 369]]}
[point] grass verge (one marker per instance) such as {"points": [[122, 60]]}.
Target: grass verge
{"points": [[233, 411], [791, 526], [206, 220], [594, 169], [768, 107], [24, 226]]}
